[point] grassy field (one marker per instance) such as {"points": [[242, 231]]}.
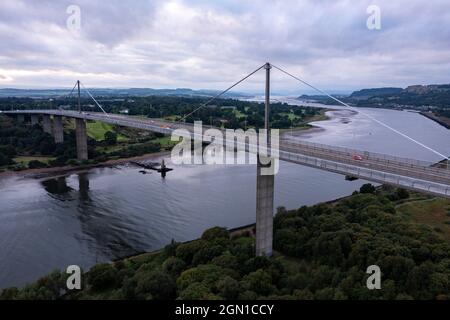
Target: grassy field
{"points": [[291, 116], [97, 130], [432, 212], [26, 159], [165, 143]]}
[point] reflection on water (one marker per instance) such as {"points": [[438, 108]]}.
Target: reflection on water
{"points": [[57, 187]]}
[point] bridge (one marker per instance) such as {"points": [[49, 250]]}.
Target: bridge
{"points": [[380, 168]]}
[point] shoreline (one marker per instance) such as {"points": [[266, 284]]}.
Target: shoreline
{"points": [[436, 119], [58, 171]]}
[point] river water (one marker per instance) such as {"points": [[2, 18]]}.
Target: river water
{"points": [[107, 213]]}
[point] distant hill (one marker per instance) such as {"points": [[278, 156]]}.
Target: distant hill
{"points": [[419, 97], [368, 93], [434, 97], [108, 92]]}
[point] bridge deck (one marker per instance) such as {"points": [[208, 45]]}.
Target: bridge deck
{"points": [[380, 168]]}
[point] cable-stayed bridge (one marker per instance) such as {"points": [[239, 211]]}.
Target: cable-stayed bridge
{"points": [[380, 168]]}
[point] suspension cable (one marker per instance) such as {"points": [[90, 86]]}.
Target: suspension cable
{"points": [[222, 93], [98, 104], [363, 113], [70, 94]]}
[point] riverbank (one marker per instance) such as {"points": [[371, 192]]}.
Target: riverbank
{"points": [[445, 122], [58, 171]]}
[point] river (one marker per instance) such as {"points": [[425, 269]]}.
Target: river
{"points": [[107, 213]]}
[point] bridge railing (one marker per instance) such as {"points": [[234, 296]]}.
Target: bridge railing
{"points": [[367, 173], [428, 165]]}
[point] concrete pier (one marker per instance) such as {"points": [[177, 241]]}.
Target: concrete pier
{"points": [[81, 136], [58, 129], [34, 119], [264, 212], [47, 123], [21, 118]]}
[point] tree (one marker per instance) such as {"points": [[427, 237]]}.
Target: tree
{"points": [[4, 160], [402, 193], [215, 233], [173, 266], [110, 137], [259, 282], [367, 188], [102, 276], [228, 288], [156, 285], [35, 164], [186, 251]]}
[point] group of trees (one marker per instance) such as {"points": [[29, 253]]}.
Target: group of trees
{"points": [[322, 252], [342, 240], [16, 140], [230, 113]]}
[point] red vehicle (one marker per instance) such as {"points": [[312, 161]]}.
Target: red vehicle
{"points": [[357, 157]]}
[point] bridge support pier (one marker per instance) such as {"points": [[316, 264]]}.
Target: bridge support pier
{"points": [[264, 211], [47, 123], [21, 118], [34, 119], [81, 137], [58, 129]]}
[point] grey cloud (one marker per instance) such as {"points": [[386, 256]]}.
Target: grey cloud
{"points": [[203, 43]]}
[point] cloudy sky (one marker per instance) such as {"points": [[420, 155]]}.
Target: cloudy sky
{"points": [[210, 44]]}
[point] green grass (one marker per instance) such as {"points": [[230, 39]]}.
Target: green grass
{"points": [[239, 114], [165, 141], [26, 159], [97, 129], [431, 212], [291, 115]]}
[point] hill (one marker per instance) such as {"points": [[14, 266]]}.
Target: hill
{"points": [[110, 92], [368, 93]]}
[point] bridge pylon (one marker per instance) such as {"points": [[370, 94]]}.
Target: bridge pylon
{"points": [[265, 188]]}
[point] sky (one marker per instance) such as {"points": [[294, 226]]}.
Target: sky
{"points": [[203, 44]]}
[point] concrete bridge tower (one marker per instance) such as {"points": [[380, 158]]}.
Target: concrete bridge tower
{"points": [[265, 189]]}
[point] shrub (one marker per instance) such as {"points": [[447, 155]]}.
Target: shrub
{"points": [[228, 287], [156, 285], [402, 193], [102, 276], [186, 251], [367, 188], [173, 266], [215, 233], [35, 164]]}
